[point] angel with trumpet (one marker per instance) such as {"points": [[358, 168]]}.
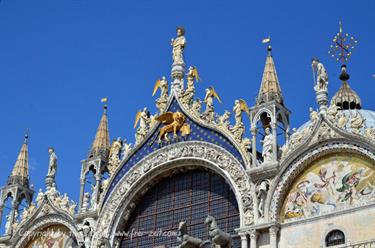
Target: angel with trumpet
{"points": [[188, 95], [209, 101], [161, 102], [143, 118]]}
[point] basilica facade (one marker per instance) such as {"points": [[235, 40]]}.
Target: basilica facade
{"points": [[198, 178]]}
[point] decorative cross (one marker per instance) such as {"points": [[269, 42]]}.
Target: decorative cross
{"points": [[342, 46]]}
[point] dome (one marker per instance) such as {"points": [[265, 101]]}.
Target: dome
{"points": [[345, 97]]}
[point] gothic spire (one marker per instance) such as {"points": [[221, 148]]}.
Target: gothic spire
{"points": [[101, 143], [20, 172], [270, 88]]}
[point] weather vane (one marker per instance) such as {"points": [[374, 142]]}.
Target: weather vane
{"points": [[342, 46]]}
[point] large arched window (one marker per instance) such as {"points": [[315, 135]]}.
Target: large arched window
{"points": [[188, 196], [335, 237]]}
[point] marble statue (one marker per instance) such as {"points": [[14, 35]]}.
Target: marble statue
{"points": [[341, 120], [8, 224], [143, 117], [216, 235], [86, 201], [332, 112], [93, 202], [322, 76], [197, 108], [52, 163], [356, 122], [40, 197], [262, 190], [240, 106], [72, 208], [186, 240], [267, 145], [188, 95], [224, 120], [86, 231], [162, 101], [313, 114], [126, 149], [64, 204], [114, 155], [178, 45], [370, 133]]}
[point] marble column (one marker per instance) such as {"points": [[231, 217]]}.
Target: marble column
{"points": [[274, 134], [273, 231], [244, 242], [1, 212], [253, 238], [254, 146], [82, 192]]}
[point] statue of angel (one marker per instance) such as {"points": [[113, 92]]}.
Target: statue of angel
{"points": [[322, 76], [143, 117], [208, 114], [52, 163], [114, 155], [161, 102], [197, 107], [188, 95], [240, 106], [126, 149], [40, 197], [224, 120], [178, 45]]}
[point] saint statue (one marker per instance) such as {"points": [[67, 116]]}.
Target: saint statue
{"points": [[322, 76], [267, 145], [178, 45], [52, 163]]}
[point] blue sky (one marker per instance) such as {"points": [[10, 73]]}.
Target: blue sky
{"points": [[58, 58]]}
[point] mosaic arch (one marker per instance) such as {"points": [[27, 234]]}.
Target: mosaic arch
{"points": [[186, 196], [331, 183], [55, 236]]}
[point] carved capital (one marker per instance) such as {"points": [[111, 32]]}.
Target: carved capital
{"points": [[253, 234]]}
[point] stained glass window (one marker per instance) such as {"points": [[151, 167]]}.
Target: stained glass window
{"points": [[189, 197]]}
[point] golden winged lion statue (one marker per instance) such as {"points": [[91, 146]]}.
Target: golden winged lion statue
{"points": [[173, 122]]}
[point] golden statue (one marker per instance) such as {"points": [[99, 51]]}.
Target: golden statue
{"points": [[162, 101], [208, 114], [174, 122]]}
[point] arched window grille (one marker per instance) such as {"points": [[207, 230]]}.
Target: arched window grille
{"points": [[335, 237], [188, 196]]}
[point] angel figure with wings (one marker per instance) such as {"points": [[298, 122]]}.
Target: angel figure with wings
{"points": [[188, 95], [240, 106], [208, 114], [143, 117], [238, 130], [161, 102]]}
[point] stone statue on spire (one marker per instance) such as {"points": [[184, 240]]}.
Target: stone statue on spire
{"points": [[322, 76], [178, 45], [52, 163]]}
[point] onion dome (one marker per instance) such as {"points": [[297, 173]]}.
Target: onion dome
{"points": [[345, 97]]}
